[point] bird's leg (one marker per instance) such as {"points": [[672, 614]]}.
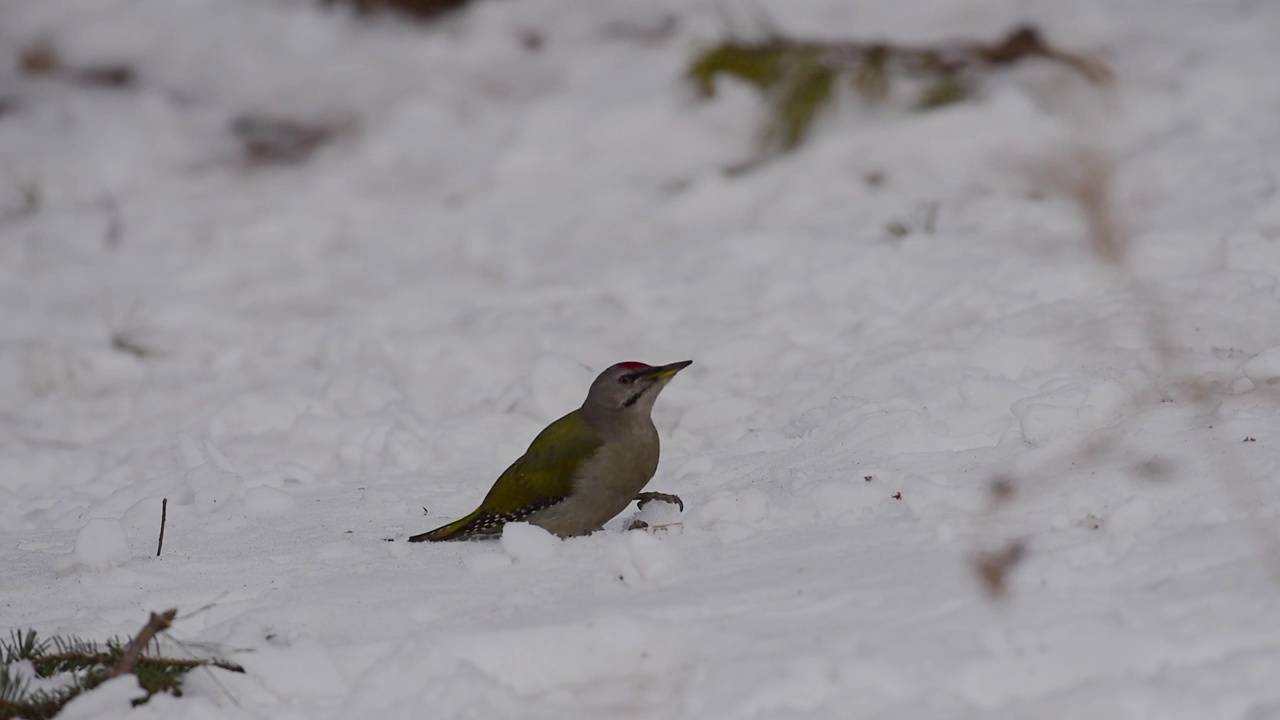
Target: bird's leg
{"points": [[646, 497]]}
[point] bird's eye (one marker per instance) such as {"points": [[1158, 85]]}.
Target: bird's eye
{"points": [[625, 379]]}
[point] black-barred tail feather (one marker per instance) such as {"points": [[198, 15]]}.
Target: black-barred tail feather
{"points": [[468, 527], [482, 523]]}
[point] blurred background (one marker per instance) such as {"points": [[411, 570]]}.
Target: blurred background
{"points": [[979, 293]]}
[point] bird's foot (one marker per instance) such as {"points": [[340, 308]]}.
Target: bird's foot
{"points": [[639, 524], [647, 497]]}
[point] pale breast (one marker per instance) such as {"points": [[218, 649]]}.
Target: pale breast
{"points": [[604, 485]]}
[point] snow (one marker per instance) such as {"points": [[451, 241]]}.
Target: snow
{"points": [[523, 542], [100, 544], [110, 697], [336, 346], [645, 558]]}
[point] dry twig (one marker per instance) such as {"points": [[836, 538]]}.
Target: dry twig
{"points": [[157, 624], [1091, 193], [164, 510], [1086, 179]]}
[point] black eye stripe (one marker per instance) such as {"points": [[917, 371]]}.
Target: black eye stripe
{"points": [[632, 400]]}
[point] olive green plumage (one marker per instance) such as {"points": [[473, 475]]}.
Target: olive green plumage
{"points": [[541, 477], [583, 469]]}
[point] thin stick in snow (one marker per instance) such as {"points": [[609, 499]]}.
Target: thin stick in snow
{"points": [[164, 510]]}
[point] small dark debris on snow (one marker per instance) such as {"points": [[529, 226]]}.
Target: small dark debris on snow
{"points": [[1154, 470], [866, 478], [896, 496], [105, 76], [1250, 439], [423, 9], [41, 59], [127, 343], [532, 40], [993, 568], [38, 58], [275, 140], [115, 224], [1002, 490]]}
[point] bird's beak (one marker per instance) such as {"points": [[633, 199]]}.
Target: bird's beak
{"points": [[662, 372]]}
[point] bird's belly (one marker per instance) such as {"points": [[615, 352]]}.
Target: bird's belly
{"points": [[603, 487], [588, 509]]}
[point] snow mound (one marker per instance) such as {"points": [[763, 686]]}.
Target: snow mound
{"points": [[523, 542], [110, 699], [302, 669], [213, 486], [100, 544], [1264, 368], [267, 500], [643, 557], [592, 650]]}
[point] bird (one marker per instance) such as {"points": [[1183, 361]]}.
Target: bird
{"points": [[583, 469]]}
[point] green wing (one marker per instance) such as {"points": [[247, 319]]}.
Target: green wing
{"points": [[542, 477], [544, 474]]}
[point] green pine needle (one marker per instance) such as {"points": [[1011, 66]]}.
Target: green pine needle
{"points": [[758, 65], [946, 90], [791, 74], [798, 100], [85, 665]]}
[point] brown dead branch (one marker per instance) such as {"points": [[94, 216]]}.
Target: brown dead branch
{"points": [[1026, 41], [1110, 243], [157, 624], [1022, 43], [1085, 177]]}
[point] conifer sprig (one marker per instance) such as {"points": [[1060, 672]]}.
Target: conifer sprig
{"points": [[84, 664], [798, 77]]}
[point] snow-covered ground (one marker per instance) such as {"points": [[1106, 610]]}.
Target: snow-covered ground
{"points": [[528, 194]]}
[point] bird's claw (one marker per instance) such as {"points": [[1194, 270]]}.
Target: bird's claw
{"points": [[647, 497]]}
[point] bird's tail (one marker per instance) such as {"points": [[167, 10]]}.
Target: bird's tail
{"points": [[456, 530]]}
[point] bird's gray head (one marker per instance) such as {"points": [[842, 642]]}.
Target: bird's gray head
{"points": [[631, 387]]}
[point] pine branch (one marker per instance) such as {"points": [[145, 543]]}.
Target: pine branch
{"points": [[21, 646], [798, 77], [87, 665]]}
